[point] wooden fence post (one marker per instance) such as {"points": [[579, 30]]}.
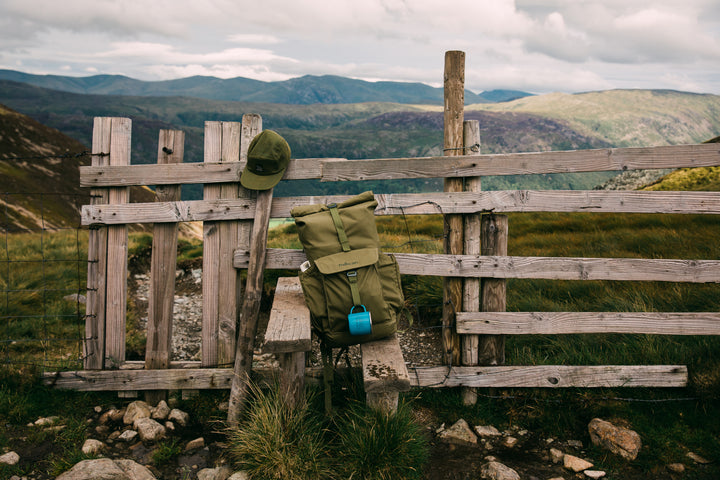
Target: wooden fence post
{"points": [[117, 252], [454, 93], [171, 144], [94, 345], [220, 279], [494, 237], [471, 286]]}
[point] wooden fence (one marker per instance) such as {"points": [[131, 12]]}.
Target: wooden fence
{"points": [[474, 319]]}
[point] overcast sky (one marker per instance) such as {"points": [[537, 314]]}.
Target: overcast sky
{"points": [[533, 45]]}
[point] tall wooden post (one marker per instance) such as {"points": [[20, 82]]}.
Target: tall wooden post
{"points": [[94, 346], [158, 350], [494, 233], [454, 93], [471, 286], [117, 252]]}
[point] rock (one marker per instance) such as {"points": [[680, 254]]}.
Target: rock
{"points": [[575, 444], [594, 474], [149, 430], [10, 458], [498, 471], [137, 409], [92, 447], [219, 473], [46, 421], [697, 458], [97, 409], [486, 431], [576, 464], [76, 298], [195, 444], [179, 417], [556, 455], [102, 430], [510, 442], [458, 434], [676, 467], [134, 470], [160, 412], [127, 436], [98, 469], [239, 476], [618, 440]]}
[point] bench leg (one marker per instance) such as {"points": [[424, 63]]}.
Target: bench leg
{"points": [[292, 377], [386, 402]]}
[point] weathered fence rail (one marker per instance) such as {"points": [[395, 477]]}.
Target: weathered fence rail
{"points": [[227, 211]]}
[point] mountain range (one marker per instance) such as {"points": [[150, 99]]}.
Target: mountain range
{"points": [[306, 90]]}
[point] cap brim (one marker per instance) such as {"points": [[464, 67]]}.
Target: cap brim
{"points": [[253, 181]]}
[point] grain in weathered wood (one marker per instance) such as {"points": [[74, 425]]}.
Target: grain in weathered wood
{"points": [[211, 255], [171, 144], [551, 268], [341, 169], [471, 239], [551, 323], [494, 233], [419, 204], [117, 251], [551, 376], [94, 345], [384, 368], [228, 232], [288, 328], [250, 308], [453, 116]]}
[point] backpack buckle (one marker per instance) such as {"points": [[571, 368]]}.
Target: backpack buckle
{"points": [[360, 323]]}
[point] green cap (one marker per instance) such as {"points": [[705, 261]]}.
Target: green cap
{"points": [[268, 158]]}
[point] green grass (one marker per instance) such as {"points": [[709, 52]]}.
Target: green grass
{"points": [[276, 442]]}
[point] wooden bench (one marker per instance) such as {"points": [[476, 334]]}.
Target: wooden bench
{"points": [[288, 335]]}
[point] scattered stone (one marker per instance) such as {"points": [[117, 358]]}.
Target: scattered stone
{"points": [[134, 470], [179, 417], [170, 426], [676, 468], [620, 441], [510, 442], [697, 458], [219, 473], [594, 474], [117, 415], [576, 464], [45, 421], [195, 444], [459, 434], [97, 409], [137, 409], [556, 455], [498, 471], [239, 476], [127, 436], [485, 431], [575, 444], [102, 430], [92, 447], [101, 468], [76, 298], [149, 430], [10, 458], [160, 412]]}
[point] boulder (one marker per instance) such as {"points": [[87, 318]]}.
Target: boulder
{"points": [[98, 469], [576, 464], [179, 417], [137, 409], [459, 434], [620, 441], [149, 430], [498, 471], [92, 447]]}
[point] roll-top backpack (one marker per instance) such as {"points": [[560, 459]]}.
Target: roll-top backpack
{"points": [[352, 289]]}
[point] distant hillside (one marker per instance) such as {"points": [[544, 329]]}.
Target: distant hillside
{"points": [[306, 90], [40, 177], [627, 118]]}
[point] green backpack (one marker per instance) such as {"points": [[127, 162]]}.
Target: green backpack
{"points": [[352, 289]]}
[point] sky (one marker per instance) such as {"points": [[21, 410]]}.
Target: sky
{"points": [[537, 46]]}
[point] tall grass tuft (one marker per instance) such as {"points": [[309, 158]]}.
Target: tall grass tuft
{"points": [[374, 445], [277, 442]]}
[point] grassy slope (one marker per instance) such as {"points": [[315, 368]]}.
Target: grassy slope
{"points": [[627, 118]]}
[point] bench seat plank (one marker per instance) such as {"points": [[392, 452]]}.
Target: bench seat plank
{"points": [[288, 329], [384, 368]]}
